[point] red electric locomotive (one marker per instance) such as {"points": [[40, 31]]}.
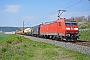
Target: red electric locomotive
{"points": [[63, 29]]}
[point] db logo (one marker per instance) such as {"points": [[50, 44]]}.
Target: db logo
{"points": [[71, 28]]}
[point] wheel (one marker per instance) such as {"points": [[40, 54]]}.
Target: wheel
{"points": [[75, 40], [66, 40], [53, 37]]}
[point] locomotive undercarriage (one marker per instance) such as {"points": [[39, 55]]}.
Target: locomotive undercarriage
{"points": [[68, 37], [72, 37]]}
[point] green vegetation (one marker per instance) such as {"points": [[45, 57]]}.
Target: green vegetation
{"points": [[83, 22], [3, 37], [83, 25], [85, 36], [88, 24], [20, 48], [85, 28]]}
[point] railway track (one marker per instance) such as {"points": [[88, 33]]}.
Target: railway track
{"points": [[80, 46], [83, 43], [79, 42]]}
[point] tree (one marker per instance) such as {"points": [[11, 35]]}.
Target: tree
{"points": [[88, 18], [83, 25], [80, 18]]}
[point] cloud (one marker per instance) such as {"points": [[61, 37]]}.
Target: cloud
{"points": [[12, 8]]}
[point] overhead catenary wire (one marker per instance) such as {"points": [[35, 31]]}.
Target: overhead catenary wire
{"points": [[53, 13], [79, 12], [71, 5], [74, 4]]}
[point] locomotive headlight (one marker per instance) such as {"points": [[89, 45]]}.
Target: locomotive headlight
{"points": [[75, 28], [67, 28]]}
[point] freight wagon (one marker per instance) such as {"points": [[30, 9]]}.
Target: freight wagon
{"points": [[36, 30], [28, 31]]}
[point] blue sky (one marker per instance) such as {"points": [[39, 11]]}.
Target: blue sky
{"points": [[33, 12]]}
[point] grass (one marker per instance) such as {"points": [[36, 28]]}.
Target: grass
{"points": [[85, 36], [20, 48], [3, 37]]}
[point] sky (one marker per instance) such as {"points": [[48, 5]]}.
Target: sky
{"points": [[34, 12]]}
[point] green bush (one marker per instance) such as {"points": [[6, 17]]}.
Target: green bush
{"points": [[24, 45], [19, 38], [9, 41], [83, 25], [4, 49]]}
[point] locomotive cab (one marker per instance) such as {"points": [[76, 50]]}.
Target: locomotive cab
{"points": [[72, 30]]}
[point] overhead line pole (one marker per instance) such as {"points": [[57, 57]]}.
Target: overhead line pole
{"points": [[23, 26]]}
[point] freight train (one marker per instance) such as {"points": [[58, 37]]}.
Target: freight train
{"points": [[62, 29]]}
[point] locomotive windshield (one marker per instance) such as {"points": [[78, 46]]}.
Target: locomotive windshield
{"points": [[67, 23], [71, 24]]}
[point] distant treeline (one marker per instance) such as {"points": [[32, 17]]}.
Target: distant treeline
{"points": [[10, 29], [82, 18]]}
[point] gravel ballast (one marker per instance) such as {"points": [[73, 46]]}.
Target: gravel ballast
{"points": [[70, 46]]}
